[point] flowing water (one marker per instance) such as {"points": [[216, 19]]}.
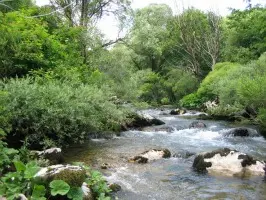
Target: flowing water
{"points": [[174, 178]]}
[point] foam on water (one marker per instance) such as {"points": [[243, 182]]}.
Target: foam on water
{"points": [[198, 134], [126, 178]]}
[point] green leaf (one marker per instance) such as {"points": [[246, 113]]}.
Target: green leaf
{"points": [[31, 169], [38, 192], [59, 187], [19, 166], [2, 189], [75, 193], [10, 151]]}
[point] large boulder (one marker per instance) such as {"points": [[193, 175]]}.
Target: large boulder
{"points": [[228, 162], [197, 124], [141, 120], [178, 111], [71, 174], [151, 155], [242, 132]]}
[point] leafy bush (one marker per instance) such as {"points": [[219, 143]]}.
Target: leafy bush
{"points": [[53, 112], [251, 90], [7, 156], [172, 86], [224, 110], [25, 44], [13, 184], [152, 90], [177, 83], [98, 185], [191, 101], [221, 71], [23, 181]]}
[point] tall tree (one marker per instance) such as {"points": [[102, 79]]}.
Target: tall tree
{"points": [[246, 35], [12, 5], [148, 37], [82, 12], [200, 38]]}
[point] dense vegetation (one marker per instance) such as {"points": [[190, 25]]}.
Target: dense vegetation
{"points": [[61, 80]]}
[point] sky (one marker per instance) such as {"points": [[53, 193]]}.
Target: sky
{"points": [[108, 25]]}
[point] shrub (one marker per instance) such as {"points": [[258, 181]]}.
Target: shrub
{"points": [[191, 101], [221, 71], [251, 90], [57, 112], [224, 110], [177, 83]]}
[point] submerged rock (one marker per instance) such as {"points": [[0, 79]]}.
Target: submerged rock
{"points": [[178, 112], [154, 154], [167, 129], [115, 187], [197, 124], [228, 162], [105, 166], [184, 154], [242, 132]]}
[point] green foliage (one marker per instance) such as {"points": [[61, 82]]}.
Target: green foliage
{"points": [[75, 193], [7, 156], [149, 37], [11, 5], [38, 192], [59, 187], [221, 71], [152, 89], [98, 184], [22, 182], [224, 110], [191, 101], [245, 35], [25, 45], [178, 83], [165, 101], [59, 112]]}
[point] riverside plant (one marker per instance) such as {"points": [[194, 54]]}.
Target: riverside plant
{"points": [[23, 180]]}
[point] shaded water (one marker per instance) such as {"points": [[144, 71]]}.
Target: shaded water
{"points": [[173, 178]]}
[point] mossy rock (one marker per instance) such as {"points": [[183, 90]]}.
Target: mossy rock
{"points": [[73, 178]]}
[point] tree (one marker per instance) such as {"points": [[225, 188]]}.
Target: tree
{"points": [[246, 35], [83, 12], [13, 5], [200, 39], [148, 37]]}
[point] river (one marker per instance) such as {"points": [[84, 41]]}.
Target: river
{"points": [[173, 178]]}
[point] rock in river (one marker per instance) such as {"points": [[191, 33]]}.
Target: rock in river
{"points": [[168, 129], [54, 155], [151, 155], [242, 132], [141, 120], [178, 112], [228, 162], [197, 124]]}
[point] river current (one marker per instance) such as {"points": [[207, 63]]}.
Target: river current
{"points": [[173, 178]]}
